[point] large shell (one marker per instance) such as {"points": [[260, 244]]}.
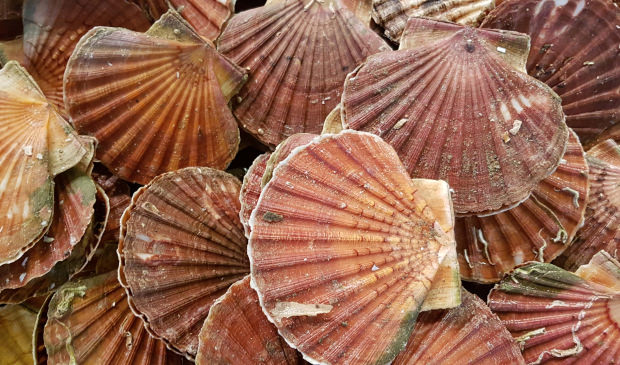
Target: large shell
{"points": [[237, 332], [334, 237], [558, 316], [53, 27], [89, 322], [16, 328], [540, 228], [456, 106], [182, 245], [467, 334], [392, 15], [155, 101], [575, 51], [250, 190], [298, 53], [601, 229]]}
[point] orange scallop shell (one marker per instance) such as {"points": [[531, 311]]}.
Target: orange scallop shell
{"points": [[182, 245], [16, 328], [250, 190], [334, 236], [574, 51], [298, 53], [155, 101], [456, 106]]}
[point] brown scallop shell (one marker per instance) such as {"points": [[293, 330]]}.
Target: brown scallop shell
{"points": [[456, 106], [298, 53], [182, 245], [237, 332], [392, 15], [16, 328], [89, 322], [467, 334], [609, 133], [250, 190], [561, 317], [119, 196], [601, 229], [155, 101], [574, 51], [540, 228], [333, 237], [283, 150]]}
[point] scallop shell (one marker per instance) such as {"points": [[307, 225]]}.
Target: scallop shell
{"points": [[601, 229], [237, 332], [12, 50], [609, 133], [540, 228], [392, 15], [298, 53], [182, 245], [491, 132], [39, 354], [333, 236], [250, 190], [467, 334], [90, 322], [333, 121], [558, 316], [283, 150], [119, 196], [16, 328], [155, 101], [53, 27], [574, 51]]}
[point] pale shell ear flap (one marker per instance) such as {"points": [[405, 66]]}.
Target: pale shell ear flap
{"points": [[603, 270], [607, 150], [333, 121]]}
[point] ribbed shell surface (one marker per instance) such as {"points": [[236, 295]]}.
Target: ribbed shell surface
{"points": [[16, 327]]}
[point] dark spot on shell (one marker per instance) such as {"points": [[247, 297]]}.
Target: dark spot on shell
{"points": [[469, 47], [272, 217]]}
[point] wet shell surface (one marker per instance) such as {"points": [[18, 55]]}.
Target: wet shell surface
{"points": [[298, 54], [155, 101], [455, 104], [467, 334], [53, 27], [539, 229], [237, 332], [601, 229], [89, 322], [574, 50], [251, 188], [182, 245], [16, 328], [119, 196], [558, 316], [392, 15], [609, 133], [333, 237]]}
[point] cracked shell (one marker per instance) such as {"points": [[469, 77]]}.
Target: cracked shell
{"points": [[16, 328]]}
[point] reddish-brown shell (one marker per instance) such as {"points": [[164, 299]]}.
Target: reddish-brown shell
{"points": [[250, 190], [467, 334], [561, 317], [182, 245], [609, 133], [298, 53], [540, 228], [155, 101], [119, 196], [574, 50], [16, 328], [334, 237], [456, 105]]}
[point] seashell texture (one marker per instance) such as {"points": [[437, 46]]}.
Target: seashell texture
{"points": [[16, 328], [237, 332], [182, 245], [467, 334], [492, 132], [333, 237], [601, 229], [155, 101], [298, 53], [609, 133], [89, 322], [11, 50], [119, 196], [539, 229], [333, 121], [557, 316], [574, 50], [392, 15], [250, 190], [284, 149], [53, 27]]}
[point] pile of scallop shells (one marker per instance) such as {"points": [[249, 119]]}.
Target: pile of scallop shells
{"points": [[309, 181]]}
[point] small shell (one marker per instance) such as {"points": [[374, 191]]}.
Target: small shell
{"points": [[574, 51], [556, 315], [601, 229], [334, 236], [333, 121], [182, 245], [153, 111], [539, 229], [609, 133], [392, 15], [298, 53], [237, 332], [250, 190], [468, 334], [492, 132], [16, 327], [89, 322]]}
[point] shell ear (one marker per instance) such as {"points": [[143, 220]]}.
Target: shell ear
{"points": [[173, 27]]}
